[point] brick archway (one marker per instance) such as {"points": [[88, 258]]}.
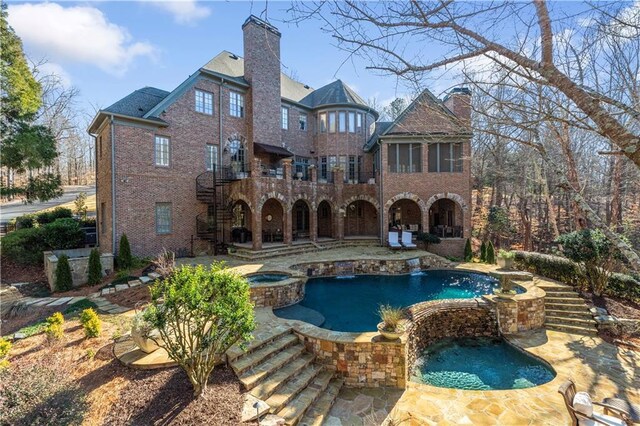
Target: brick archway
{"points": [[241, 197], [275, 195], [361, 198], [407, 196], [449, 195]]}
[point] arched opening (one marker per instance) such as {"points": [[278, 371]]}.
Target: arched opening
{"points": [[272, 221], [405, 215], [361, 220], [446, 219], [325, 220], [241, 223], [300, 220]]}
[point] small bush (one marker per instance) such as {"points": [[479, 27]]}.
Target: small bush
{"points": [[428, 238], [554, 267], [91, 323], [390, 316], [505, 254], [80, 205], [483, 252], [50, 216], [24, 246], [54, 328], [64, 281], [624, 286], [468, 251], [63, 234], [125, 260], [491, 253], [26, 221], [95, 268], [5, 347]]}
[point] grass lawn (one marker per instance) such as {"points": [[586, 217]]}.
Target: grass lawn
{"points": [[91, 205]]}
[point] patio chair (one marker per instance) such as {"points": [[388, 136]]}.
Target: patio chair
{"points": [[581, 409], [406, 240], [393, 241]]}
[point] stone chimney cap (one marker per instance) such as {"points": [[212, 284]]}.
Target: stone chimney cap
{"points": [[261, 23], [460, 90]]}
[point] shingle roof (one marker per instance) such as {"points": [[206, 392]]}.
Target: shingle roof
{"points": [[138, 103], [333, 93], [381, 127]]}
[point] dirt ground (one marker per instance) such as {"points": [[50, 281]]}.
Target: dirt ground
{"points": [[135, 297]]}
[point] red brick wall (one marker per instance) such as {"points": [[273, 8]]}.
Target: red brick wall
{"points": [[103, 188]]}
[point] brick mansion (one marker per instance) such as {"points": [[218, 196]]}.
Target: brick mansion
{"points": [[241, 155]]}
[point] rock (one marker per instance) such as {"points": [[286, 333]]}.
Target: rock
{"points": [[18, 336], [144, 279], [272, 420], [605, 319], [154, 275], [120, 287], [598, 311], [134, 283], [253, 408]]}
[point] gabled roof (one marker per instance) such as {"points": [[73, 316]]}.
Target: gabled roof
{"points": [[334, 93], [138, 103], [380, 127]]}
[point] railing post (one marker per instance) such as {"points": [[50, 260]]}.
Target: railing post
{"points": [[286, 165], [255, 168], [313, 173]]}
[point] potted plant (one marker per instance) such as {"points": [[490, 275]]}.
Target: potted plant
{"points": [[506, 290], [391, 326], [143, 333], [505, 259]]}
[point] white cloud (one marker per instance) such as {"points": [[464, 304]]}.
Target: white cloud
{"points": [[185, 12], [78, 34]]}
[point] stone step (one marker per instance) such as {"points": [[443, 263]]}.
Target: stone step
{"points": [[259, 372], [570, 313], [297, 407], [319, 411], [565, 300], [589, 331], [269, 385], [236, 351], [563, 294], [556, 288], [293, 387], [266, 351], [570, 321], [564, 306]]}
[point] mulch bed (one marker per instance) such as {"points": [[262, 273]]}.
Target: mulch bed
{"points": [[162, 397], [617, 307], [135, 297], [13, 272], [14, 320]]}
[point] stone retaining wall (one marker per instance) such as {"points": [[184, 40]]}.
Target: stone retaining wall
{"points": [[78, 262], [278, 294], [369, 266], [518, 315], [437, 319]]}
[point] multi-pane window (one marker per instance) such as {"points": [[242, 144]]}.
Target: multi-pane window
{"points": [[162, 151], [211, 156], [352, 122], [342, 122], [301, 166], [323, 122], [445, 157], [163, 218], [236, 104], [204, 102], [359, 123], [285, 117], [405, 158], [332, 122], [302, 121], [324, 168], [352, 169]]}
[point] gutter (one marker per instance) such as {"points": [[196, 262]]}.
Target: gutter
{"points": [[113, 186], [381, 213]]}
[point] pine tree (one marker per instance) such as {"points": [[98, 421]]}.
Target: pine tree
{"points": [[491, 253], [95, 268], [125, 260], [64, 281], [468, 252], [483, 252]]}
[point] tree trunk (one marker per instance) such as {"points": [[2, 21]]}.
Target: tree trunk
{"points": [[572, 173], [616, 199]]}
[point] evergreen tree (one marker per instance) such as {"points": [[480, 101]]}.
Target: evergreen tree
{"points": [[64, 281], [125, 260], [95, 268], [483, 252], [468, 252], [491, 253]]}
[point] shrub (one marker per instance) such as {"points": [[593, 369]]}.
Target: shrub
{"points": [[63, 281], [91, 323], [80, 205], [95, 268], [391, 317], [491, 253], [554, 267], [483, 252], [24, 246], [125, 260], [505, 254], [213, 304], [5, 347], [26, 221], [50, 216], [54, 328], [165, 263], [63, 234], [427, 238], [624, 286], [468, 251]]}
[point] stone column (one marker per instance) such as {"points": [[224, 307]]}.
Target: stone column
{"points": [[256, 229], [313, 173], [256, 169], [286, 165], [287, 224], [313, 224], [338, 184]]}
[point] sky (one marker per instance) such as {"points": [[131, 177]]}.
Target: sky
{"points": [[107, 49]]}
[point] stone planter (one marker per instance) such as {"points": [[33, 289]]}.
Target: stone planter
{"points": [[145, 341], [505, 296], [505, 263], [389, 335]]}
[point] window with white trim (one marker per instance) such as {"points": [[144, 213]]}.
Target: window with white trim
{"points": [[323, 122], [204, 102], [324, 168], [405, 158], [236, 104], [342, 122], [352, 122], [302, 122], [445, 157], [332, 122], [162, 151], [163, 218], [285, 118], [211, 157], [359, 123]]}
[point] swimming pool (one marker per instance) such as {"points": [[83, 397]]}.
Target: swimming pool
{"points": [[267, 278], [479, 363], [351, 304]]}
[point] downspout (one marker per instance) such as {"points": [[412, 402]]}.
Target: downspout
{"points": [[113, 187], [382, 230]]}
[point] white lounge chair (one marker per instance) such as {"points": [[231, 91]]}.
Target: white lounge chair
{"points": [[393, 240], [406, 240]]}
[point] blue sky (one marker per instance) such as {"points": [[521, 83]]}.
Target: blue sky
{"points": [[108, 49]]}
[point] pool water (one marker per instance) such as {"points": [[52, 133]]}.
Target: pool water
{"points": [[266, 278], [351, 304], [479, 364]]}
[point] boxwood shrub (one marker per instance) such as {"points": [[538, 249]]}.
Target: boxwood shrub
{"points": [[64, 234]]}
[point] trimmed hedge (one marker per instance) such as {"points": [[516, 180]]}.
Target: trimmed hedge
{"points": [[566, 271], [50, 216]]}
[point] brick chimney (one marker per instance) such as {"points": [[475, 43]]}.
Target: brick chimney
{"points": [[262, 71], [458, 100]]}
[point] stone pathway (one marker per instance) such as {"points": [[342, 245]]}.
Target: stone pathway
{"points": [[363, 407]]}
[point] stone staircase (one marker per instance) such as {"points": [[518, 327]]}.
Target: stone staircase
{"points": [[566, 311], [300, 247], [277, 369]]}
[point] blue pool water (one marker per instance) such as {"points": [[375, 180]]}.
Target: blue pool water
{"points": [[479, 364], [267, 278], [351, 304]]}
